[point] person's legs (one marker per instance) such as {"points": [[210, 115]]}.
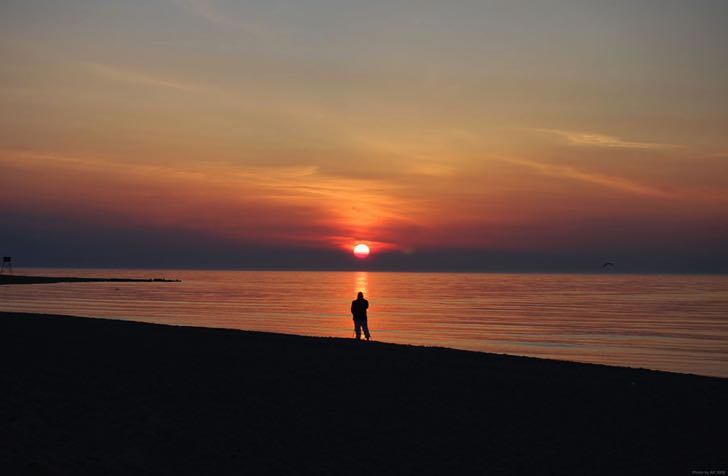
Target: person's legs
{"points": [[366, 329], [357, 329]]}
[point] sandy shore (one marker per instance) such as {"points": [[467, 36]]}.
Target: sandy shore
{"points": [[102, 397], [18, 279]]}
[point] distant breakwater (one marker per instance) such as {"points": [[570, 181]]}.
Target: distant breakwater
{"points": [[15, 279]]}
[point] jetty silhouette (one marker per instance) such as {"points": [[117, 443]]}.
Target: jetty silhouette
{"points": [[19, 279]]}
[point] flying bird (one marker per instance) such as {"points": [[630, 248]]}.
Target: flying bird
{"points": [[607, 264]]}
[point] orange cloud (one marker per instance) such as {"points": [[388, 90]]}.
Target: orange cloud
{"points": [[616, 183], [601, 140], [286, 204], [123, 75]]}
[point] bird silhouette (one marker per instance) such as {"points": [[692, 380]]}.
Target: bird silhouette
{"points": [[607, 264]]}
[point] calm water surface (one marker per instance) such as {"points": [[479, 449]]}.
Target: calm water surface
{"points": [[676, 323]]}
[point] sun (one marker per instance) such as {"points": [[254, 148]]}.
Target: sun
{"points": [[361, 250]]}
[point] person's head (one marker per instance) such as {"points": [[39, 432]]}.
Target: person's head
{"points": [[360, 295]]}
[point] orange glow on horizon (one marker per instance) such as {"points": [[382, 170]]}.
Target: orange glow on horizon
{"points": [[412, 145]]}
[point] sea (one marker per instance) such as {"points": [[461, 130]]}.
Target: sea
{"points": [[676, 323]]}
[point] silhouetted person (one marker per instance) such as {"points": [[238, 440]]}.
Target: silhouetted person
{"points": [[359, 308]]}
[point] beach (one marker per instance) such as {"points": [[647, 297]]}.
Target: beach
{"points": [[98, 396]]}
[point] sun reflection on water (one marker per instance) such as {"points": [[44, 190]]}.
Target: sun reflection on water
{"points": [[361, 282]]}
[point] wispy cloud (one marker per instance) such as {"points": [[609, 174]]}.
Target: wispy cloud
{"points": [[591, 139], [208, 11], [609, 181], [204, 9], [274, 196], [133, 77]]}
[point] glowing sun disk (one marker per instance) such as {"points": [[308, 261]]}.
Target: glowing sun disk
{"points": [[361, 250]]}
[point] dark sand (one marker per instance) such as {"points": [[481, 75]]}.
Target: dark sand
{"points": [[18, 279], [102, 397]]}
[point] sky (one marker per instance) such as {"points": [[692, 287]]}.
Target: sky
{"points": [[484, 135]]}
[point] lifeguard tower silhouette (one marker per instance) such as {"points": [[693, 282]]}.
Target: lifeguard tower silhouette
{"points": [[7, 260]]}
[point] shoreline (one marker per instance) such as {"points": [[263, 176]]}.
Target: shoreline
{"points": [[102, 396]]}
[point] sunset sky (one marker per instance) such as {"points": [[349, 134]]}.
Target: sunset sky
{"points": [[495, 135]]}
